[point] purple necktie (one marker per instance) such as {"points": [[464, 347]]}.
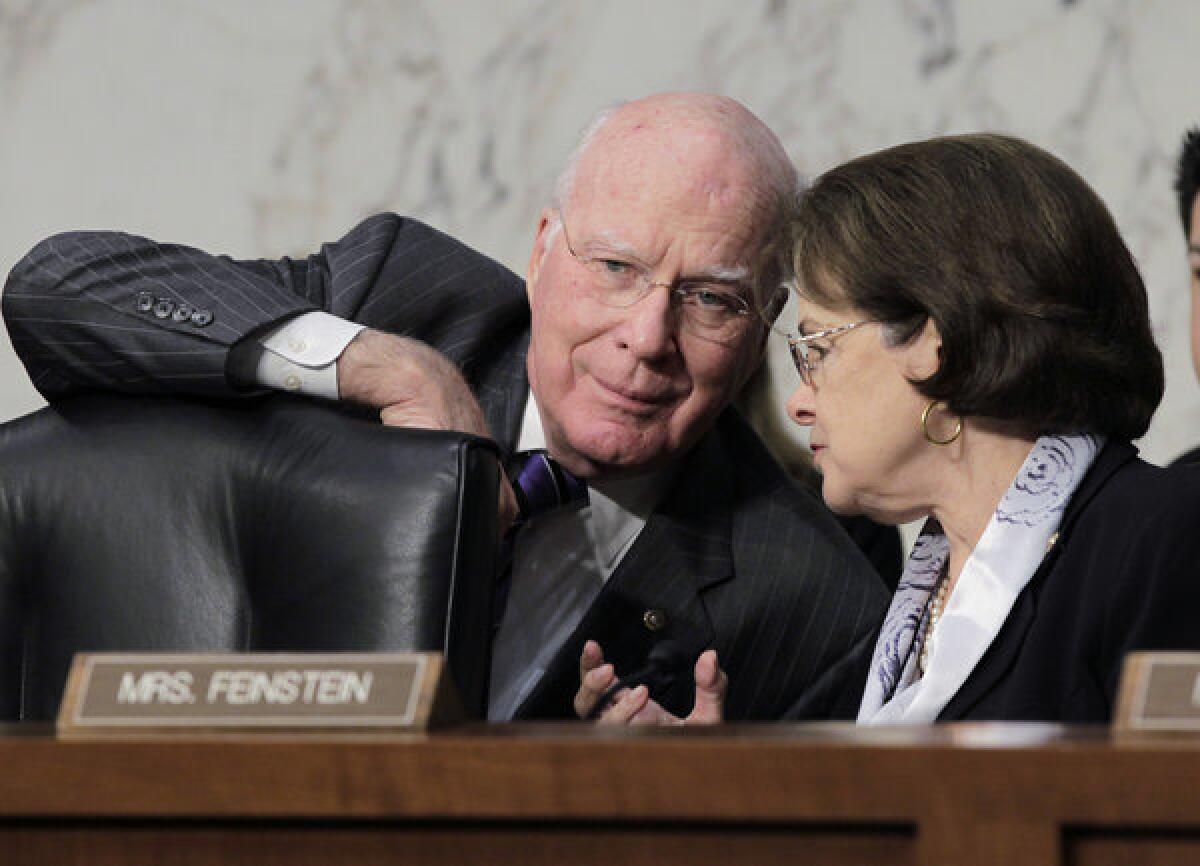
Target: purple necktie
{"points": [[541, 485]]}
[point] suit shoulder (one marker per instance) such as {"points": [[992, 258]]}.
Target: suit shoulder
{"points": [[411, 235], [759, 480], [1139, 528], [1149, 495], [773, 513]]}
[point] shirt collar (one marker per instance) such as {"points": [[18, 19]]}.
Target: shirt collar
{"points": [[618, 508]]}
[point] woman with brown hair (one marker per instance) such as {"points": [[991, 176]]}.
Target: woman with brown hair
{"points": [[975, 349]]}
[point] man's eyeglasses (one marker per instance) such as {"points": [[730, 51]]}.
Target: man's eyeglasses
{"points": [[709, 308], [808, 357]]}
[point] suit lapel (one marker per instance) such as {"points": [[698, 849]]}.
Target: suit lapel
{"points": [[1004, 649], [655, 593], [1002, 654], [503, 394]]}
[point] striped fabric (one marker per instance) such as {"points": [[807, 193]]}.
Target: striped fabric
{"points": [[736, 557]]}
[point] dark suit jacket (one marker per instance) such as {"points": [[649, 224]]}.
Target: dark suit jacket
{"points": [[1124, 575], [1188, 458], [737, 557]]}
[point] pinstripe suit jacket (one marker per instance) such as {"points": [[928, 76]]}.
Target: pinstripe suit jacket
{"points": [[737, 557]]}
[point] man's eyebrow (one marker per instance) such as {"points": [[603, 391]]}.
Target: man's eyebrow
{"points": [[722, 274], [610, 243], [1193, 248]]}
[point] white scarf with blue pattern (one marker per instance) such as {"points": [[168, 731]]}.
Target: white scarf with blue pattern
{"points": [[1007, 555]]}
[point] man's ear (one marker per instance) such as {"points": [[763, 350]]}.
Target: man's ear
{"points": [[924, 352], [541, 246]]}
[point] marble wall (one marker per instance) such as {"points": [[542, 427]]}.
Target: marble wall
{"points": [[265, 127]]}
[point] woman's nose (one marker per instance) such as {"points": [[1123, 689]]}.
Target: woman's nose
{"points": [[800, 405]]}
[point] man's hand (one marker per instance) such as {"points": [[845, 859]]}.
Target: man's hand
{"points": [[410, 383], [634, 707], [414, 385]]}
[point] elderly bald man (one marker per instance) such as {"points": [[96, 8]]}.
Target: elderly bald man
{"points": [[652, 280]]}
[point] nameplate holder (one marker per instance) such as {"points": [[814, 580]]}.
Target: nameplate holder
{"points": [[124, 693], [1159, 693]]}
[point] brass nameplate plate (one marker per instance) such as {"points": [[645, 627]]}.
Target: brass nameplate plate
{"points": [[280, 691], [1159, 691]]}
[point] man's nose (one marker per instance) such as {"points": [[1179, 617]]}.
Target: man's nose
{"points": [[651, 327], [800, 405]]}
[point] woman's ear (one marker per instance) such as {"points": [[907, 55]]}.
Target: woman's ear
{"points": [[924, 353]]}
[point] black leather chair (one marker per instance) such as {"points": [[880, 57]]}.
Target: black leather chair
{"points": [[152, 524]]}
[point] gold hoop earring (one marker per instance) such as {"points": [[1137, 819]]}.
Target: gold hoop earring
{"points": [[925, 427]]}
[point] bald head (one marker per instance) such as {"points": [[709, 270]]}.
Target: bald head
{"points": [[714, 117], [683, 146]]}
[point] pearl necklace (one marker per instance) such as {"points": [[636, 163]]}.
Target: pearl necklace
{"points": [[936, 605]]}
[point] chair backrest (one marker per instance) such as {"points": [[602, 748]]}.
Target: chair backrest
{"points": [[280, 525]]}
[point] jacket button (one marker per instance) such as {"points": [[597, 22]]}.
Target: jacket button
{"points": [[200, 318], [182, 313], [163, 307], [145, 302], [654, 619], [1051, 541]]}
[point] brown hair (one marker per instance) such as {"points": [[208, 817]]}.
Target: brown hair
{"points": [[1040, 308]]}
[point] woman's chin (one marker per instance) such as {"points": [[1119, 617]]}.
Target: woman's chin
{"points": [[839, 502], [845, 504]]}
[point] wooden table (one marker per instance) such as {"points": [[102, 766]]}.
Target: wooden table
{"points": [[569, 794]]}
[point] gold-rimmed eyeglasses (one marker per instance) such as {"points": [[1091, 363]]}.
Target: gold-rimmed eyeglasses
{"points": [[708, 307], [808, 357]]}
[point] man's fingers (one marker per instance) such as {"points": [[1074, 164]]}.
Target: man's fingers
{"points": [[592, 687], [628, 703], [411, 383], [595, 683], [410, 415], [711, 685], [506, 507], [595, 678], [591, 657], [653, 714]]}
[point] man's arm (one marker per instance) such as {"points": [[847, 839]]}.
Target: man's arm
{"points": [[110, 311], [104, 310]]}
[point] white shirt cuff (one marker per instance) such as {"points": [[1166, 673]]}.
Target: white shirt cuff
{"points": [[301, 355]]}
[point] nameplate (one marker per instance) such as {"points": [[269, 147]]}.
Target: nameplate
{"points": [[1159, 691], [256, 691]]}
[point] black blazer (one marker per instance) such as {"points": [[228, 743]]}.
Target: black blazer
{"points": [[737, 557], [1123, 575], [1188, 458]]}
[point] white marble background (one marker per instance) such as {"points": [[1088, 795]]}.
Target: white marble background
{"points": [[262, 127]]}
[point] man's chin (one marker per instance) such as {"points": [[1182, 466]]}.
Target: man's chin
{"points": [[588, 459]]}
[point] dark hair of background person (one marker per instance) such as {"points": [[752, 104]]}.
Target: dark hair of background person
{"points": [[1187, 176], [1042, 314]]}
